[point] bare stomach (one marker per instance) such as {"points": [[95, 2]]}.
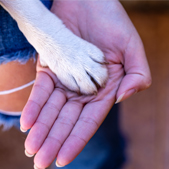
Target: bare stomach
{"points": [[13, 75]]}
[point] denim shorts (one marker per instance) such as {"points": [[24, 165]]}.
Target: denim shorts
{"points": [[106, 149], [14, 47]]}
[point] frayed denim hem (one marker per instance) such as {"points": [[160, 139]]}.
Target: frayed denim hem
{"points": [[21, 56], [8, 121]]}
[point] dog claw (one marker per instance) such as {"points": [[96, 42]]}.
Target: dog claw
{"points": [[95, 93], [104, 85], [106, 63]]}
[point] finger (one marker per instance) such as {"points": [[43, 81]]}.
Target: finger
{"points": [[89, 121], [41, 91], [44, 122], [59, 132], [138, 76]]}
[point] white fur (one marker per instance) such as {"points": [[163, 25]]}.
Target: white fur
{"points": [[68, 56]]}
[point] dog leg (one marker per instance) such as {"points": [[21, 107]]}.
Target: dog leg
{"points": [[42, 62], [75, 61]]}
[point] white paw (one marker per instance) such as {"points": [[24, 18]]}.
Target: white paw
{"points": [[79, 65], [42, 62]]}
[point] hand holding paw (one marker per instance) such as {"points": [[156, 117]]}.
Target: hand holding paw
{"points": [[61, 121]]}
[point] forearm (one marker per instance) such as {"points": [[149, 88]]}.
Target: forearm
{"points": [[35, 21]]}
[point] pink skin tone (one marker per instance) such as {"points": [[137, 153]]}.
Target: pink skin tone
{"points": [[61, 121]]}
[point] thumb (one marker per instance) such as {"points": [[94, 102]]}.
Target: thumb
{"points": [[131, 84], [137, 74]]}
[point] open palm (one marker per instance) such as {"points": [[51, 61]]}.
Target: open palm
{"points": [[63, 121]]}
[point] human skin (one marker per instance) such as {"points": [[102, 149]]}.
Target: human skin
{"points": [[17, 74], [61, 121]]}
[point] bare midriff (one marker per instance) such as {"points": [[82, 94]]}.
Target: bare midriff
{"points": [[13, 75]]}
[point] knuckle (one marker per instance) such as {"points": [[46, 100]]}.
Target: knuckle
{"points": [[33, 102], [41, 87], [148, 82], [43, 124], [52, 106], [65, 121], [89, 121], [55, 140], [79, 138]]}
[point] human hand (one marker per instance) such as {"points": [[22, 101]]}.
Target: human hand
{"points": [[62, 121]]}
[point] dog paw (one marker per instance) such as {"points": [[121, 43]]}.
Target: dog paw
{"points": [[78, 64], [42, 62]]}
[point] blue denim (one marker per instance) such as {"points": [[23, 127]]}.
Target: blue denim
{"points": [[106, 149], [13, 45], [8, 121]]}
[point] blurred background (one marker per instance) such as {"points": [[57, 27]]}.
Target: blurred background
{"points": [[145, 116]]}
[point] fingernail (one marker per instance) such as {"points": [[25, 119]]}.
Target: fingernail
{"points": [[24, 131], [28, 155], [120, 98], [58, 165], [125, 95], [35, 167]]}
